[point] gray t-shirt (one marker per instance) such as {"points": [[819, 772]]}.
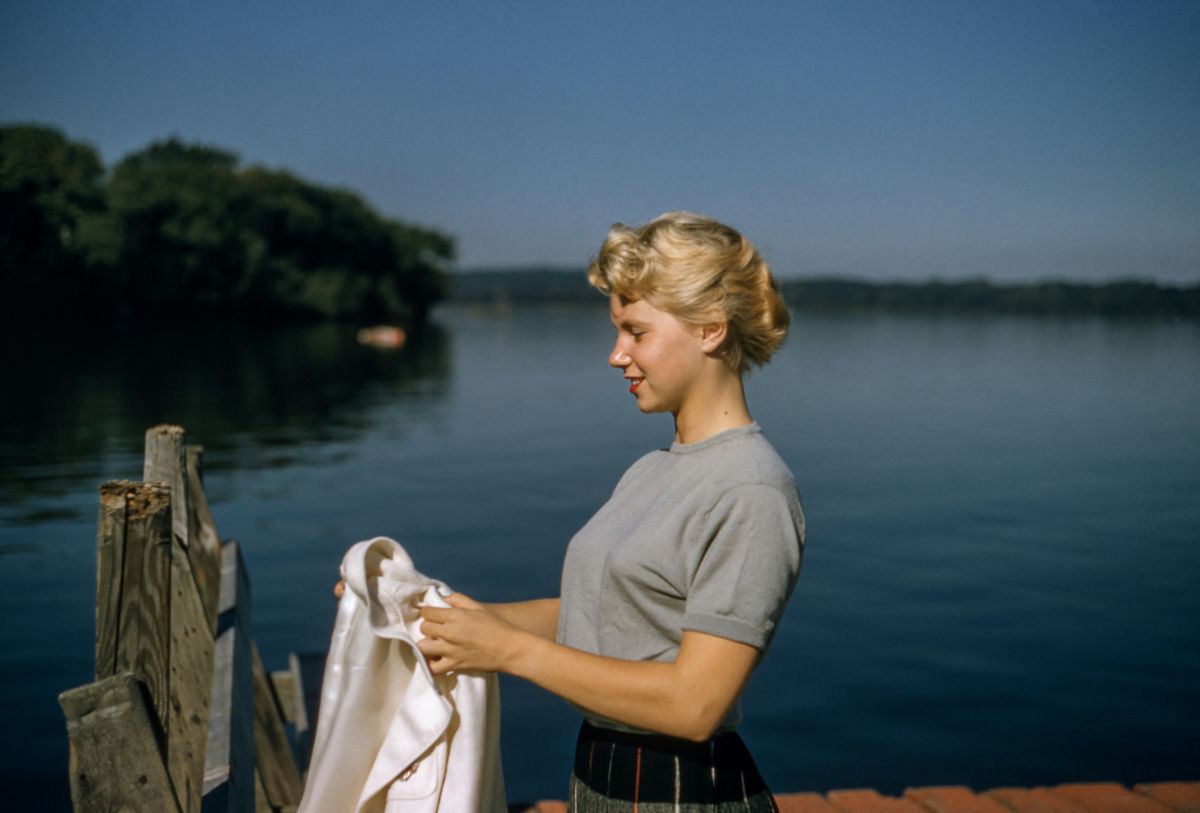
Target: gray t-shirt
{"points": [[702, 536]]}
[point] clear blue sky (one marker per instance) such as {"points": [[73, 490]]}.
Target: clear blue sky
{"points": [[908, 139]]}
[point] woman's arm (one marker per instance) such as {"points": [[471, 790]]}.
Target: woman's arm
{"points": [[687, 698], [539, 616]]}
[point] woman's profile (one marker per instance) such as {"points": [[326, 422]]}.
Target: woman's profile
{"points": [[672, 591]]}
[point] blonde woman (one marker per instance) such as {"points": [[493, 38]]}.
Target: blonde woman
{"points": [[671, 593]]}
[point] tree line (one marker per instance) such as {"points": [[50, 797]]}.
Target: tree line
{"points": [[1131, 297], [180, 226]]}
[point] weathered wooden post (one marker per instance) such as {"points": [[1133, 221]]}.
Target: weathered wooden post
{"points": [[133, 584], [299, 691], [279, 776], [169, 459], [192, 609], [117, 727], [183, 717], [229, 761], [117, 759]]}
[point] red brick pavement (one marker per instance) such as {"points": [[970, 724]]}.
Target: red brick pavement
{"points": [[1091, 797]]}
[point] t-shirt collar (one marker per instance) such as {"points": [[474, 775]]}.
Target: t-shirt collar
{"points": [[729, 434]]}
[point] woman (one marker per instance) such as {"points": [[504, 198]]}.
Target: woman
{"points": [[671, 592]]}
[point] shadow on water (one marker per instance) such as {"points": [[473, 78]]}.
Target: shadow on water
{"points": [[78, 397]]}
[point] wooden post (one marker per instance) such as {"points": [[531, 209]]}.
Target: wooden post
{"points": [[204, 546], [284, 686], [116, 748], [182, 703], [192, 648], [308, 673], [166, 462], [276, 764], [229, 758], [133, 584], [169, 460]]}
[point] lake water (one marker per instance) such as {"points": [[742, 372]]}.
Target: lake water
{"points": [[1002, 580]]}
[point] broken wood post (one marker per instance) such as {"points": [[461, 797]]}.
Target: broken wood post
{"points": [[281, 779], [117, 759], [133, 584], [183, 717], [169, 460], [229, 758], [204, 546]]}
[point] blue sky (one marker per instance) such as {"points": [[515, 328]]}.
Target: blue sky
{"points": [[898, 139]]}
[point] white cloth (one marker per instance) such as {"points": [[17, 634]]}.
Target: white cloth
{"points": [[391, 737]]}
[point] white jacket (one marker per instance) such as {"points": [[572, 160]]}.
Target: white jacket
{"points": [[391, 737]]}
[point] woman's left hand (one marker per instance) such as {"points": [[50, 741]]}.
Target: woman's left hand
{"points": [[466, 636]]}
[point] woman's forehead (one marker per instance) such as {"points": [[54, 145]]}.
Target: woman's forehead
{"points": [[629, 309]]}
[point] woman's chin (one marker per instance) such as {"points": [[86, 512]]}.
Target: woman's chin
{"points": [[648, 407]]}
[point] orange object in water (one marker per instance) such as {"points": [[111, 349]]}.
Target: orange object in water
{"points": [[387, 336]]}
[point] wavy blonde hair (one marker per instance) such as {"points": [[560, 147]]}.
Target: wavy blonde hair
{"points": [[691, 266]]}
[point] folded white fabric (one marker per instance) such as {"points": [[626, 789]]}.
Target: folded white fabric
{"points": [[391, 737]]}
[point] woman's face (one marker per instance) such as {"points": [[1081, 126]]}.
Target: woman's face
{"points": [[660, 356]]}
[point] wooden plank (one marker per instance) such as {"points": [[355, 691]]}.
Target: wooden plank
{"points": [[229, 757], [204, 546], [284, 686], [116, 749], [274, 759], [308, 673], [166, 462], [133, 630], [192, 648], [110, 566], [261, 803]]}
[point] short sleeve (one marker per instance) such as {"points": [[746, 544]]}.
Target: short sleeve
{"points": [[746, 572]]}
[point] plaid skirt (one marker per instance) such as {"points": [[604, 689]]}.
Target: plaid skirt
{"points": [[652, 773]]}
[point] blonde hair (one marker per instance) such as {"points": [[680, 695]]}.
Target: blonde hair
{"points": [[690, 265]]}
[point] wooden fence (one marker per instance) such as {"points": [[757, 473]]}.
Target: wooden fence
{"points": [[182, 716]]}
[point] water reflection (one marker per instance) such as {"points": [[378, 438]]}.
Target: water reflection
{"points": [[1003, 514], [277, 395]]}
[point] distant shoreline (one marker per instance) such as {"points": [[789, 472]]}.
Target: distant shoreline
{"points": [[1118, 298]]}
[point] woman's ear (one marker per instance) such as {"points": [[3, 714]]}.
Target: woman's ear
{"points": [[712, 335]]}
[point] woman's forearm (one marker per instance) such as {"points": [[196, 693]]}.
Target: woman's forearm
{"points": [[686, 698], [539, 616]]}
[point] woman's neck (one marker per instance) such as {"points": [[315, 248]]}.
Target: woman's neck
{"points": [[712, 409]]}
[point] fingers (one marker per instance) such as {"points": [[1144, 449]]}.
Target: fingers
{"points": [[463, 602], [437, 614], [436, 654], [340, 588], [433, 629], [433, 647]]}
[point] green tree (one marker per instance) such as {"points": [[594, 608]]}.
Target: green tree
{"points": [[49, 187], [421, 276], [182, 226], [169, 235], [326, 251]]}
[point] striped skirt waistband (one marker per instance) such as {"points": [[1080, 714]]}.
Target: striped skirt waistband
{"points": [[654, 768]]}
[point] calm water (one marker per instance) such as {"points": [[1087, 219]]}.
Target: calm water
{"points": [[1001, 583]]}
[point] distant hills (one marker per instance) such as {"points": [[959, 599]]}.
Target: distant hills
{"points": [[510, 286]]}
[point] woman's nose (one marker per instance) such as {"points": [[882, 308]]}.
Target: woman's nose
{"points": [[618, 357]]}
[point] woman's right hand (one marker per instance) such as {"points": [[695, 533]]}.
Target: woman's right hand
{"points": [[339, 588]]}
